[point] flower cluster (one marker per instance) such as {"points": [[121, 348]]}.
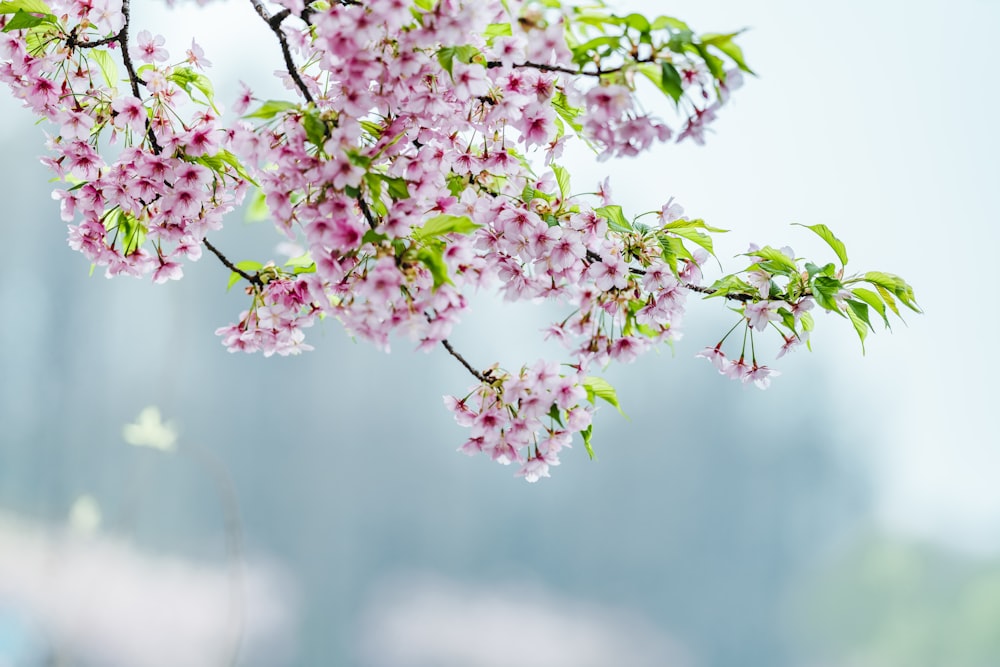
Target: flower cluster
{"points": [[417, 161], [525, 418]]}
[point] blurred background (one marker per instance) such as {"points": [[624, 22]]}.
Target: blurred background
{"points": [[314, 511]]}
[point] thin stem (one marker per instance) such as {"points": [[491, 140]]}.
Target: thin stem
{"points": [[252, 278], [451, 350], [738, 323], [274, 23], [567, 70], [121, 38], [367, 212]]}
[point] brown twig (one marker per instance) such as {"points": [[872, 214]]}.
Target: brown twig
{"points": [[274, 23], [367, 212], [73, 42], [567, 70], [252, 278], [451, 350]]}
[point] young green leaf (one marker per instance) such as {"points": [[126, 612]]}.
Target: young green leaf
{"points": [[316, 130], [32, 6], [109, 69], [433, 259], [22, 20], [858, 314], [495, 30], [873, 300], [726, 45], [825, 290], [587, 433], [597, 387], [445, 224], [562, 178], [777, 257], [270, 109], [616, 219], [247, 266], [257, 209], [824, 233]]}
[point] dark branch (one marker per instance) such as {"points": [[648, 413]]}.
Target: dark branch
{"points": [[73, 42], [568, 70], [451, 350], [594, 257], [367, 212], [274, 23], [252, 278]]}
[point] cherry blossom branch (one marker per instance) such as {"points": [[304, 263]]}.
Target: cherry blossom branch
{"points": [[121, 37], [274, 23], [133, 77], [451, 350], [594, 257], [567, 70], [252, 278], [367, 212], [73, 41]]}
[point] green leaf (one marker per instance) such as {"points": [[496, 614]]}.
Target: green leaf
{"points": [[109, 68], [597, 387], [616, 219], [858, 313], [730, 285], [562, 178], [495, 30], [186, 78], [247, 266], [445, 224], [873, 300], [446, 57], [396, 186], [218, 161], [566, 112], [555, 415], [661, 22], [894, 284], [300, 262], [824, 233], [316, 130], [889, 299], [373, 237], [703, 240], [714, 63], [23, 20], [586, 52], [271, 108], [787, 318], [127, 229], [448, 54], [776, 257], [257, 209], [433, 259], [665, 77], [825, 290], [826, 270], [670, 81], [587, 433], [673, 248], [726, 45], [32, 6], [693, 224]]}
